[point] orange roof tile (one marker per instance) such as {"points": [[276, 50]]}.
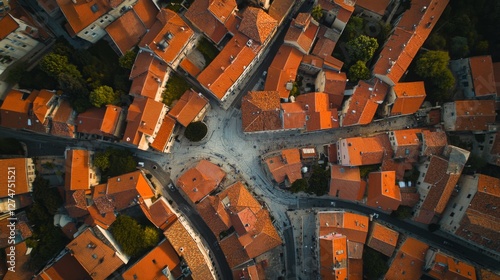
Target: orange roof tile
{"points": [[406, 144], [482, 75], [260, 111], [294, 116], [234, 252], [409, 261], [190, 67], [140, 124], [78, 174], [383, 192], [346, 183], [333, 256], [96, 218], [164, 134], [21, 170], [409, 97], [279, 9], [63, 120], [200, 15], [247, 272], [151, 266], [410, 33], [17, 101], [76, 203], [22, 257], [446, 267], [283, 70], [168, 36], [95, 256], [41, 104], [145, 63], [335, 83], [286, 166], [146, 10], [496, 74], [474, 114], [488, 275], [354, 226], [188, 107], [355, 269], [319, 113], [383, 239], [159, 213], [8, 25], [363, 104], [188, 249], [221, 9], [257, 25], [433, 142], [378, 7], [333, 63], [358, 151], [82, 13], [227, 67], [126, 31], [324, 46], [201, 180], [65, 268], [302, 32], [110, 120], [90, 121]]}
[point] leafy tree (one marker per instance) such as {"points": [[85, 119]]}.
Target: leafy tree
{"points": [[317, 12], [48, 197], [195, 131], [103, 95], [436, 42], [132, 237], [318, 183], [120, 161], [358, 71], [433, 66], [459, 47], [354, 28], [403, 212], [482, 47], [55, 64], [127, 60], [361, 48], [299, 185], [16, 73], [374, 263], [101, 160]]}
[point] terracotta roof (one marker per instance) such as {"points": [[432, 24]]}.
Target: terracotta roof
{"points": [[397, 165], [188, 107], [286, 166], [294, 116], [433, 142], [8, 25], [140, 124], [146, 10], [383, 239], [63, 123], [324, 45], [201, 180], [383, 192], [200, 15], [409, 261], [96, 257], [21, 230], [406, 144], [496, 74], [234, 252], [260, 111], [22, 258], [363, 104], [246, 272], [159, 213], [151, 266], [95, 218], [302, 32], [77, 170], [472, 115], [283, 70], [335, 83], [312, 61], [41, 104], [483, 76], [257, 25], [126, 31], [14, 111], [488, 275], [83, 13], [188, 66], [21, 167], [446, 267], [346, 183], [320, 114], [168, 36], [76, 203], [354, 226], [164, 134], [358, 151], [355, 269], [280, 8], [122, 191], [90, 121], [409, 97], [410, 33], [333, 256], [188, 249], [378, 7], [220, 75], [67, 267]]}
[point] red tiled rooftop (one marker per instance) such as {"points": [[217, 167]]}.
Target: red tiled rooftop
{"points": [[164, 134], [67, 267], [285, 166], [139, 123], [257, 25], [354, 226], [446, 267], [126, 31], [383, 239], [201, 180], [409, 97], [260, 111], [146, 10], [283, 70], [319, 113], [433, 142], [188, 66], [77, 170], [363, 104], [346, 182], [279, 9], [383, 192], [482, 75], [294, 116], [200, 15], [474, 114], [82, 13], [221, 9], [188, 107], [90, 121], [110, 120], [21, 172], [409, 261], [378, 6]]}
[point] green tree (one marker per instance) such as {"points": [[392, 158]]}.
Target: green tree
{"points": [[354, 28], [16, 73], [195, 131], [403, 212], [103, 95], [299, 185], [436, 42], [55, 64], [101, 160], [374, 263], [318, 182], [358, 71], [132, 237], [459, 47], [361, 48], [433, 66], [128, 59], [317, 12], [482, 47]]}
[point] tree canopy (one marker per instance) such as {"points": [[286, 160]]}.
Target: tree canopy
{"points": [[55, 64], [317, 12], [113, 162], [358, 71], [103, 95], [128, 59], [361, 48], [433, 67], [133, 238], [299, 185], [195, 131]]}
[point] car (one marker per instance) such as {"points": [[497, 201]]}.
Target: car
{"points": [[140, 164], [171, 187]]}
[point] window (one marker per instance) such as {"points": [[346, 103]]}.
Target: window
{"points": [[454, 205], [452, 214], [469, 195], [461, 208]]}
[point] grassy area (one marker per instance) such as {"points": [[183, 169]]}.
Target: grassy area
{"points": [[208, 50], [174, 89]]}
